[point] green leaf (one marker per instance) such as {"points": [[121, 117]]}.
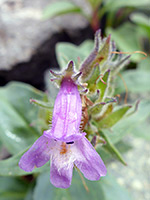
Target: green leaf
{"points": [[60, 8], [140, 18], [111, 4], [107, 156], [29, 194], [66, 52], [111, 148], [0, 145], [16, 115], [86, 47], [45, 190], [137, 81], [143, 22], [142, 129], [97, 189], [144, 64], [132, 124], [111, 119], [95, 3], [12, 189], [9, 167]]}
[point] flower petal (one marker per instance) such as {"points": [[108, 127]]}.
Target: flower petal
{"points": [[61, 178], [67, 112], [62, 161], [37, 155], [88, 160], [73, 137]]}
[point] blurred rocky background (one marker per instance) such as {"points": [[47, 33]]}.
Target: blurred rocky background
{"points": [[27, 42]]}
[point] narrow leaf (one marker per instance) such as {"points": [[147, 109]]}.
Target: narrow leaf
{"points": [[42, 104], [112, 118], [9, 167], [12, 188], [112, 149], [106, 155], [136, 124], [60, 8], [17, 114]]}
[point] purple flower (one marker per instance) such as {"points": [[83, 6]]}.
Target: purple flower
{"points": [[64, 144], [67, 113], [63, 157]]}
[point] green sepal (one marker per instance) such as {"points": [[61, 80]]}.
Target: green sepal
{"points": [[96, 108], [112, 118], [103, 87], [42, 104], [94, 97], [97, 57], [110, 100], [136, 106], [89, 63], [103, 54], [92, 81], [106, 112]]}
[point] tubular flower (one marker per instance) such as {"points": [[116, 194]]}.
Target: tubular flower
{"points": [[67, 113], [64, 145]]}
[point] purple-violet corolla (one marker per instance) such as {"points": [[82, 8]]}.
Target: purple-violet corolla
{"points": [[67, 113], [64, 144]]}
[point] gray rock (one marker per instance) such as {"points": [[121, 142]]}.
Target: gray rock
{"points": [[22, 29]]}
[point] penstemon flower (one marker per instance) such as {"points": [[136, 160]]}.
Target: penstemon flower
{"points": [[67, 113], [64, 144]]}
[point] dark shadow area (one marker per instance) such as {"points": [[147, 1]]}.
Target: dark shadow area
{"points": [[32, 72]]}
